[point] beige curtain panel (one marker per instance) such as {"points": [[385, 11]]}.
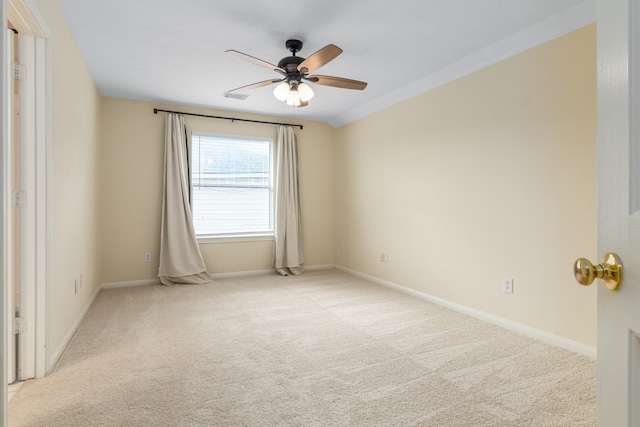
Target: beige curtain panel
{"points": [[180, 259], [289, 250]]}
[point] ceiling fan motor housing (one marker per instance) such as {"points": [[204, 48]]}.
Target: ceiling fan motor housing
{"points": [[294, 45], [290, 63]]}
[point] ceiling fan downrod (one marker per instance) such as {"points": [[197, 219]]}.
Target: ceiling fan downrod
{"points": [[290, 63], [293, 46]]}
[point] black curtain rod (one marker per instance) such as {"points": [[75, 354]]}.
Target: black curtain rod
{"points": [[156, 110]]}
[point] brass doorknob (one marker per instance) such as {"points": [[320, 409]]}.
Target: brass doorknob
{"points": [[609, 271]]}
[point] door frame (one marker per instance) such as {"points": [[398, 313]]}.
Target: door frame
{"points": [[37, 126], [4, 211], [8, 243], [35, 132]]}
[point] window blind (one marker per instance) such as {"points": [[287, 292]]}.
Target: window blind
{"points": [[232, 186]]}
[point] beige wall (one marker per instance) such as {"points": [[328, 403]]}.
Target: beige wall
{"points": [[489, 176], [132, 157], [74, 179]]}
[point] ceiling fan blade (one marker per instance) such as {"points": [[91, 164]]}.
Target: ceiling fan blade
{"points": [[256, 85], [337, 82], [256, 61], [319, 58]]}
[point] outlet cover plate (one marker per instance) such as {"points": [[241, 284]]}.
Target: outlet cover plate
{"points": [[507, 285]]}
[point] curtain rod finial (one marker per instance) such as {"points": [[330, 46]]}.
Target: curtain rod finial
{"points": [[155, 111]]}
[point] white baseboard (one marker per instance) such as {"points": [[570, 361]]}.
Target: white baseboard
{"points": [[129, 283], [55, 356], [319, 267], [145, 282], [242, 273], [266, 271], [538, 334]]}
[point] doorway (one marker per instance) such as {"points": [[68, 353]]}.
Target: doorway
{"points": [[26, 189], [13, 120]]}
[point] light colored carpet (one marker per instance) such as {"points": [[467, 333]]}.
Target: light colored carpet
{"points": [[321, 349]]}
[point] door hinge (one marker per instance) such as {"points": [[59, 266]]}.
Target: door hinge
{"points": [[19, 325], [19, 198], [19, 71]]}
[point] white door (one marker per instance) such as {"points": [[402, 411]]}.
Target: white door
{"points": [[619, 210]]}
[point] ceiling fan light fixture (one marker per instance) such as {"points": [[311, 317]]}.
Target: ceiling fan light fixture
{"points": [[305, 92], [281, 91], [293, 98], [294, 68]]}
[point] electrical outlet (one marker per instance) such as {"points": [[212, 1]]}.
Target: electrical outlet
{"points": [[507, 285], [147, 257], [384, 257], [342, 248]]}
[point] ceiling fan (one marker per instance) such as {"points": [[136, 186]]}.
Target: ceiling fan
{"points": [[294, 69]]}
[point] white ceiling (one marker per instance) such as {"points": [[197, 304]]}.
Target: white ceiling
{"points": [[173, 51]]}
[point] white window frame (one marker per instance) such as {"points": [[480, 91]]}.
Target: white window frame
{"points": [[239, 236]]}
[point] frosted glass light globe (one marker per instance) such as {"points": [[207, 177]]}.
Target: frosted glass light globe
{"points": [[281, 91], [293, 98], [305, 91]]}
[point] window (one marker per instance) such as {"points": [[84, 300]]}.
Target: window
{"points": [[232, 186]]}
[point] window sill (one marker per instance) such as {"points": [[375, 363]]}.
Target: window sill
{"points": [[234, 239]]}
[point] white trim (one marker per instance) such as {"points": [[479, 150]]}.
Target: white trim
{"points": [[10, 362], [28, 212], [33, 356], [267, 271], [71, 332], [232, 237], [248, 273], [42, 29], [4, 210], [13, 388], [20, 13], [319, 267], [538, 334], [129, 283], [214, 276], [45, 296], [204, 239], [556, 26], [43, 227]]}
